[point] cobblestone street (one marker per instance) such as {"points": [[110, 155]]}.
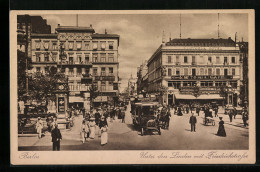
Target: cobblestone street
{"points": [[124, 136]]}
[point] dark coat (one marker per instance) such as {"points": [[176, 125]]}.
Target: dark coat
{"points": [[56, 135], [193, 120]]}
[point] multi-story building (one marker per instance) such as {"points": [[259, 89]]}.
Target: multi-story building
{"points": [[105, 67], [132, 87], [87, 58], [44, 52], [26, 25], [195, 69]]}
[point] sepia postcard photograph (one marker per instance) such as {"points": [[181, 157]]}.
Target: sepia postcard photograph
{"points": [[132, 87]]}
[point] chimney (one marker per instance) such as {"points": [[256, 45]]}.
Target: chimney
{"points": [[58, 25], [91, 25], [229, 37], [105, 31]]}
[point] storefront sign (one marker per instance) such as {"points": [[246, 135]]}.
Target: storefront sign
{"points": [[61, 104], [202, 77]]}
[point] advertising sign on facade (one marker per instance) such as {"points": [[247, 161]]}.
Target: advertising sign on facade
{"points": [[61, 104], [202, 77]]}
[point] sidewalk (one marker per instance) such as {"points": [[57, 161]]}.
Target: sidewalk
{"points": [[238, 122], [71, 137]]}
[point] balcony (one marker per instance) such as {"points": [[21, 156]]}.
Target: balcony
{"points": [[86, 76], [226, 64], [193, 63], [75, 63], [177, 63], [104, 78]]}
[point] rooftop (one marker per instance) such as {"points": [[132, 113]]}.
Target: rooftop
{"points": [[201, 42], [97, 35], [75, 29], [41, 35]]}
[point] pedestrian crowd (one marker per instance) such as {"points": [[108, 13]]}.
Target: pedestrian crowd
{"points": [[97, 122]]}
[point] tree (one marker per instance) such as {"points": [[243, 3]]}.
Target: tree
{"points": [[43, 87], [22, 59], [21, 73]]}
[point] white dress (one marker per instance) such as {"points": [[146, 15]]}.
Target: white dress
{"points": [[92, 127], [103, 135]]}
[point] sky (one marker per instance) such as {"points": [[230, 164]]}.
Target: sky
{"points": [[141, 34]]}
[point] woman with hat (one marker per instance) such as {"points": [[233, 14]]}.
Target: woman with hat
{"points": [[92, 128], [39, 126], [84, 130], [103, 127], [221, 128]]}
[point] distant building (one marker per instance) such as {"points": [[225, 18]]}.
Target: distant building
{"points": [[142, 78], [132, 87], [182, 70]]}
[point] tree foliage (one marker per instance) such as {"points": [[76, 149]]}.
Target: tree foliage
{"points": [[21, 74], [43, 87]]}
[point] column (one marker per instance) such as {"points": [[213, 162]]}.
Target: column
{"points": [[66, 71], [83, 71], [74, 71]]}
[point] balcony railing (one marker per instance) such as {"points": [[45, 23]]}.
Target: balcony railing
{"points": [[75, 63], [226, 63]]}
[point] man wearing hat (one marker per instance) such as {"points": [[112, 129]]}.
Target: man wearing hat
{"points": [[56, 137], [193, 121], [39, 126], [245, 117], [97, 117]]}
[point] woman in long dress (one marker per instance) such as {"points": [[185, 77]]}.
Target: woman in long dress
{"points": [[103, 127], [84, 131], [221, 129], [92, 128], [39, 126]]}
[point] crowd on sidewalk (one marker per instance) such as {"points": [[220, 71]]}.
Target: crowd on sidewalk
{"points": [[97, 122]]}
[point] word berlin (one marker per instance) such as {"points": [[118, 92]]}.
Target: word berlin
{"points": [[202, 77]]}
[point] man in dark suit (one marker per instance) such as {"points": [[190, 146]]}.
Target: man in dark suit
{"points": [[97, 117], [56, 137], [193, 121]]}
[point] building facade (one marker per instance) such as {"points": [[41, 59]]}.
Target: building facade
{"points": [[195, 69], [132, 87], [26, 25], [85, 57], [142, 78]]}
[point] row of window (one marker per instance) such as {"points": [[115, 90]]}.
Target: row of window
{"points": [[103, 71], [179, 84], [78, 71], [71, 45], [202, 71], [78, 58], [194, 59]]}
